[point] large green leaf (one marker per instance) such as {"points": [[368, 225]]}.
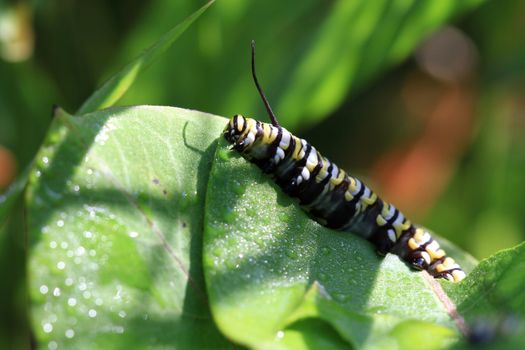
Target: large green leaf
{"points": [[268, 266], [115, 213]]}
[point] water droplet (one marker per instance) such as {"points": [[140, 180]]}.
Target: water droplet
{"points": [[98, 301], [341, 297], [117, 294], [133, 234], [218, 251], [80, 251], [224, 154], [252, 212], [122, 313], [82, 286], [92, 252], [52, 244], [56, 292], [239, 188], [45, 160], [90, 171], [64, 245], [68, 281], [280, 334], [229, 216], [60, 223], [38, 173], [70, 333], [391, 292], [43, 289], [88, 234], [76, 188], [292, 254], [47, 327], [86, 294], [230, 264], [284, 217], [325, 251], [92, 313], [72, 301], [52, 345], [376, 310], [61, 265]]}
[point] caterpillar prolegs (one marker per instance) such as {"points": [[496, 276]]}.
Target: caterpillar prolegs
{"points": [[331, 196]]}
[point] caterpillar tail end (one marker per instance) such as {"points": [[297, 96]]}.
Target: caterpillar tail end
{"points": [[424, 253]]}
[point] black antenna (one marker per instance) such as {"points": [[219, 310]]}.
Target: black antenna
{"points": [[261, 92]]}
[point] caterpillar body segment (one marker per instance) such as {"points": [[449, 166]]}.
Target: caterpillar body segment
{"points": [[335, 199]]}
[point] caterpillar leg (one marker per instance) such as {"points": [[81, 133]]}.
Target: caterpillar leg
{"points": [[422, 252]]}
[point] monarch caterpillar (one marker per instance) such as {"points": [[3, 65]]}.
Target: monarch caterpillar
{"points": [[331, 196]]}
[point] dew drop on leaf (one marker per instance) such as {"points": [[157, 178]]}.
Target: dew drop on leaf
{"points": [[224, 154], [47, 327]]}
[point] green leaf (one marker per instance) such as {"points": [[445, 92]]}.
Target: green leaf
{"points": [[262, 254], [492, 299], [115, 214], [117, 85], [11, 195], [356, 41], [495, 286]]}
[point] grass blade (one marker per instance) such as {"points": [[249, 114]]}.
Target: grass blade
{"points": [[117, 85]]}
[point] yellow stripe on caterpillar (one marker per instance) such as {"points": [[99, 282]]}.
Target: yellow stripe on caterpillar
{"points": [[380, 220], [412, 244], [458, 275]]}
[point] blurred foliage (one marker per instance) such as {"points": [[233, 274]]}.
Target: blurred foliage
{"points": [[450, 152]]}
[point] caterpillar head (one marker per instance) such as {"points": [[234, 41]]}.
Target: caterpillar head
{"points": [[237, 132]]}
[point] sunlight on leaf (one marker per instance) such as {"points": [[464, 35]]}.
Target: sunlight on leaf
{"points": [[262, 253], [115, 208]]}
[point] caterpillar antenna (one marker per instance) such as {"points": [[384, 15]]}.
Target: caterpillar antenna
{"points": [[261, 92]]}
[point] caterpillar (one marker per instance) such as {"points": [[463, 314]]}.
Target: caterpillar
{"points": [[332, 197]]}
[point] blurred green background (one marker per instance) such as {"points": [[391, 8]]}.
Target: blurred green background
{"points": [[429, 114]]}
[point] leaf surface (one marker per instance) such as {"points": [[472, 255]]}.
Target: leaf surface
{"points": [[492, 299], [115, 208], [117, 205], [268, 266]]}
